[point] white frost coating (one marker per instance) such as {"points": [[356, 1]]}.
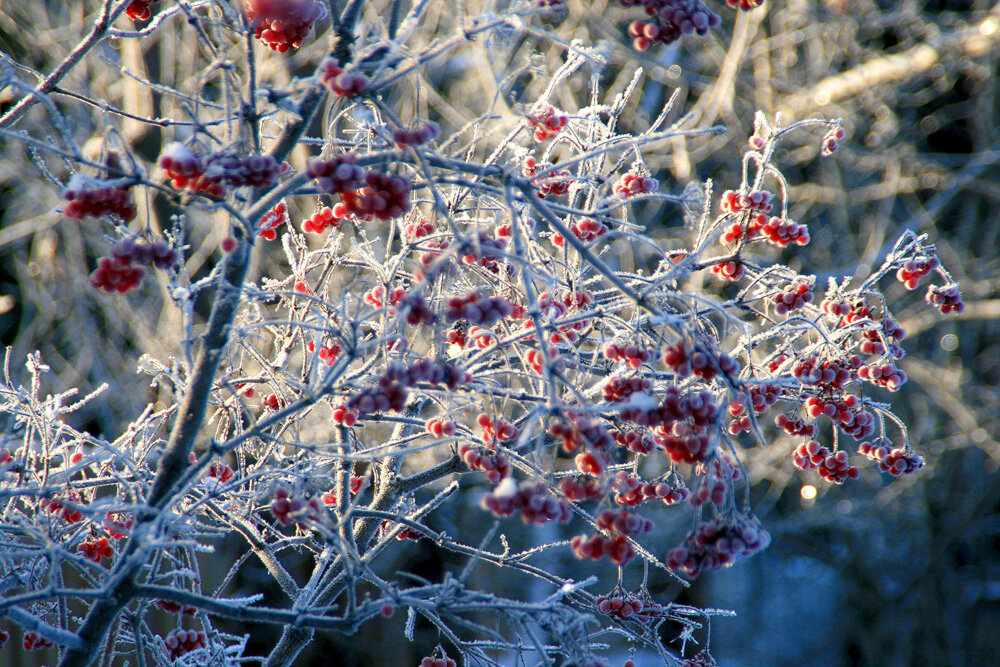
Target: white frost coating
{"points": [[177, 151], [506, 489], [643, 401]]}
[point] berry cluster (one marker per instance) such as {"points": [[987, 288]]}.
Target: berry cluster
{"points": [[831, 141], [624, 523], [478, 308], [186, 170], [581, 488], [482, 338], [175, 607], [553, 182], [829, 375], [378, 297], [328, 351], [696, 409], [392, 388], [617, 547], [96, 198], [407, 533], [58, 505], [418, 229], [703, 659], [844, 413], [118, 524], [639, 442], [344, 415], [357, 484], [884, 375], [759, 201], [669, 20], [630, 185], [341, 82], [912, 271], [633, 355], [440, 428], [702, 364], [626, 606], [737, 230], [792, 297], [682, 444], [336, 176], [554, 307], [287, 509], [211, 174], [618, 389], [386, 196], [730, 271], [157, 253], [761, 398], [781, 233], [835, 308], [283, 24], [717, 544], [896, 462], [873, 338], [418, 135], [946, 298], [415, 309], [431, 661], [274, 402], [547, 123], [221, 472], [532, 499], [256, 171], [114, 275], [580, 432], [325, 217], [494, 430], [597, 546], [494, 464], [139, 10], [833, 467], [795, 426], [486, 251], [537, 361], [272, 220], [95, 549], [716, 478], [120, 273], [632, 491], [35, 642], [180, 642]]}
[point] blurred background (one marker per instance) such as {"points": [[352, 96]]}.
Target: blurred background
{"points": [[875, 572]]}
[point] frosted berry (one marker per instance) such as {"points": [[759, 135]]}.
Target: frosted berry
{"points": [[95, 549], [417, 135], [946, 298], [272, 220], [140, 10], [547, 123], [283, 24], [180, 642], [341, 82], [386, 196], [338, 175], [35, 642], [88, 197]]}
